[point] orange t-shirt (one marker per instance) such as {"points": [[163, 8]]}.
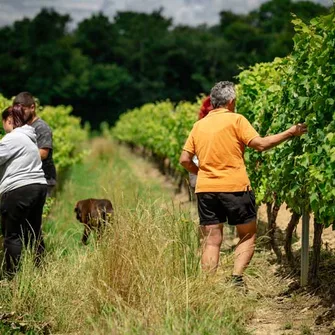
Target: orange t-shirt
{"points": [[218, 141]]}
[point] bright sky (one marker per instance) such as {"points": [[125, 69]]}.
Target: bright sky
{"points": [[189, 12]]}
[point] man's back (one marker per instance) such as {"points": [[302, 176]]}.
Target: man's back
{"points": [[218, 140], [44, 140]]}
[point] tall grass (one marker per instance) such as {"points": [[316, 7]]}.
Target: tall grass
{"points": [[143, 277]]}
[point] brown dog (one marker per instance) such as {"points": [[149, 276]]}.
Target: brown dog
{"points": [[93, 213]]}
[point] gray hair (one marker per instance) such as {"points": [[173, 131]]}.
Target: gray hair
{"points": [[222, 93]]}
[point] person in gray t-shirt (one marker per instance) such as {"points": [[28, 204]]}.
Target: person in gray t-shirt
{"points": [[44, 137]]}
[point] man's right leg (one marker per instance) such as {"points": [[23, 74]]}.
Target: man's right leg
{"points": [[211, 242]]}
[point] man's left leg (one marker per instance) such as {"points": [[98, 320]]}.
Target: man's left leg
{"points": [[245, 248]]}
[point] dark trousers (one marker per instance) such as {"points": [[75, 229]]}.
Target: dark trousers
{"points": [[21, 221]]}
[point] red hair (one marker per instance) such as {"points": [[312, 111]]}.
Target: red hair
{"points": [[205, 108]]}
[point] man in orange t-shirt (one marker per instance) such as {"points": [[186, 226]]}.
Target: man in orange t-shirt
{"points": [[223, 187]]}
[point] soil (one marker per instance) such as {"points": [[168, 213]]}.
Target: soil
{"points": [[284, 215]]}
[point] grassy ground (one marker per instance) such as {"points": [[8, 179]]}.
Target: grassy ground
{"points": [[142, 278]]}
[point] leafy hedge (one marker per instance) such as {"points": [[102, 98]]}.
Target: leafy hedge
{"points": [[68, 134], [160, 127]]}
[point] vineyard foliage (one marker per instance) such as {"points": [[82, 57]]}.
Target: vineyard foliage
{"points": [[159, 127], [273, 96], [299, 88], [4, 103], [68, 134]]}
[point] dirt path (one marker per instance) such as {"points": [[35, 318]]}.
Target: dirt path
{"points": [[295, 313]]}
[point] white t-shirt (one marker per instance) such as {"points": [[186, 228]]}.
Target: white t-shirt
{"points": [[20, 161]]}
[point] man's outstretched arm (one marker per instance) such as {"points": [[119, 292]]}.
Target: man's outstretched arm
{"points": [[268, 142]]}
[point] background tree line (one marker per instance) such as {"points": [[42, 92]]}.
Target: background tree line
{"points": [[106, 66]]}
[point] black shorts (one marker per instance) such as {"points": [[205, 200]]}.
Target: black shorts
{"points": [[218, 207]]}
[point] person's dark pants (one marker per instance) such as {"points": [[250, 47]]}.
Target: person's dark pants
{"points": [[21, 221]]}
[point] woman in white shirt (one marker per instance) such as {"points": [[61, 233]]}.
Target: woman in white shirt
{"points": [[23, 188]]}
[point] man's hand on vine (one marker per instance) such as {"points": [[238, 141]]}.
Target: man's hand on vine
{"points": [[298, 129]]}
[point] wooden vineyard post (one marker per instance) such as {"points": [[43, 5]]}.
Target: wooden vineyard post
{"points": [[304, 248]]}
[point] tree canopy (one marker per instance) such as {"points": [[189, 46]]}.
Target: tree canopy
{"points": [[106, 66]]}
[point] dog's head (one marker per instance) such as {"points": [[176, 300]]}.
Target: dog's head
{"points": [[78, 210]]}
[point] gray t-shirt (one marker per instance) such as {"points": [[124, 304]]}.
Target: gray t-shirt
{"points": [[20, 161], [44, 140]]}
